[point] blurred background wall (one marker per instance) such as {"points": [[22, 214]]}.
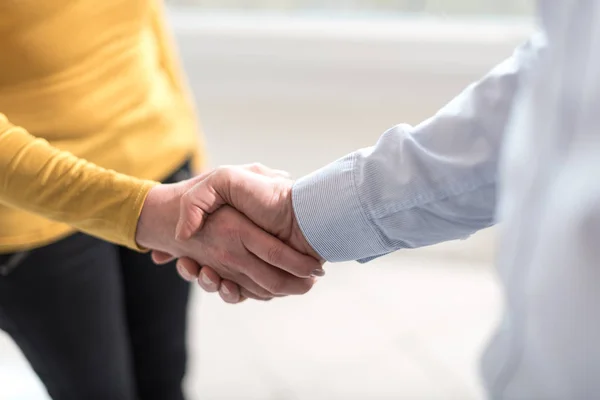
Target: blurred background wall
{"points": [[452, 7], [295, 84]]}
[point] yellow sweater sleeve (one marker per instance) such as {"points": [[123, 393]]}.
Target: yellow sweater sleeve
{"points": [[39, 178]]}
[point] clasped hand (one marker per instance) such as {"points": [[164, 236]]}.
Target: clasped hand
{"points": [[233, 229]]}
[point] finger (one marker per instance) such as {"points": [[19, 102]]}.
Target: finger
{"points": [[272, 279], [161, 258], [250, 286], [274, 252], [188, 269], [230, 292], [248, 295], [257, 293], [209, 280], [196, 204], [235, 294], [242, 298]]}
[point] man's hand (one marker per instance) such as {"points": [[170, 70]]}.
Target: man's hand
{"points": [[263, 197], [234, 247]]}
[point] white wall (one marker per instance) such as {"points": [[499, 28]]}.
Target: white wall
{"points": [[298, 93]]}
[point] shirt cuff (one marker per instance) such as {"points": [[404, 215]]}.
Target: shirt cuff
{"points": [[331, 217]]}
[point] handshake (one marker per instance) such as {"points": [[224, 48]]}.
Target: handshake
{"points": [[234, 230]]}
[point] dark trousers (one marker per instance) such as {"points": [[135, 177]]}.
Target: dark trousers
{"points": [[96, 320]]}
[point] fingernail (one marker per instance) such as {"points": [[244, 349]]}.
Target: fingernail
{"points": [[184, 273], [225, 291], [318, 272], [206, 279]]}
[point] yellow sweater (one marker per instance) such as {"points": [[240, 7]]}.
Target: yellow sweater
{"points": [[87, 88]]}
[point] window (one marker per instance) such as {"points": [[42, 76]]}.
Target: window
{"points": [[431, 7]]}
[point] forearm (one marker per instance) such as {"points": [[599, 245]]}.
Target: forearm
{"points": [[37, 177], [418, 185]]}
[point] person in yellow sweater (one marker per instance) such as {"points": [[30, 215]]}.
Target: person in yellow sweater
{"points": [[93, 114]]}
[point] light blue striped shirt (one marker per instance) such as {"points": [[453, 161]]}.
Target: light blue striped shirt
{"points": [[521, 146]]}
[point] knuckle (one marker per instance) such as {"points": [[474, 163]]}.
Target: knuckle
{"points": [[256, 167], [224, 171]]}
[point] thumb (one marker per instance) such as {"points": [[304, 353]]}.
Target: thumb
{"points": [[199, 201], [226, 185]]}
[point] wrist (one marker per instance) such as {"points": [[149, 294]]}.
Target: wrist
{"points": [[158, 218]]}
